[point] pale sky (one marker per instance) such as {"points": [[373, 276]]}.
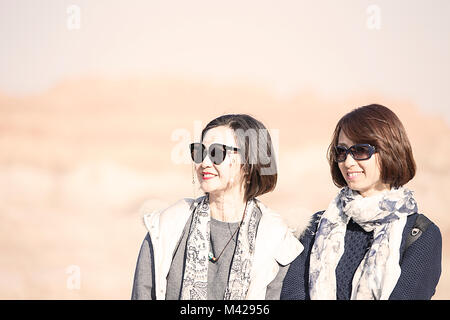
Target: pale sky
{"points": [[324, 46]]}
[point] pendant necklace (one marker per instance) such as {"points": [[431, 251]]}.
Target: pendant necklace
{"points": [[211, 256]]}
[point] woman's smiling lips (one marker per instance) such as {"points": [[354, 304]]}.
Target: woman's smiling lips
{"points": [[207, 175], [352, 175]]}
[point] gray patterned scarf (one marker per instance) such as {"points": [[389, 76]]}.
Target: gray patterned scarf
{"points": [[385, 214], [195, 277]]}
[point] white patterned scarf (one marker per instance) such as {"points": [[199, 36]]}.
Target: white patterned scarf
{"points": [[195, 277], [385, 214]]}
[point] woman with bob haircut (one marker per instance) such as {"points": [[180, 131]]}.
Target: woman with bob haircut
{"points": [[225, 245], [371, 242]]}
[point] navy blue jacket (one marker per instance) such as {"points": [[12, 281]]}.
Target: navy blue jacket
{"points": [[420, 264]]}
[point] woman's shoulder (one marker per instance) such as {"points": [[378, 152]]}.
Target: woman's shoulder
{"points": [[421, 229], [421, 259], [420, 223], [292, 221], [318, 215], [276, 237], [270, 218], [315, 219], [152, 211]]}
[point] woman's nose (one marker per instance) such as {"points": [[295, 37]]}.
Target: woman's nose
{"points": [[207, 161], [349, 161]]}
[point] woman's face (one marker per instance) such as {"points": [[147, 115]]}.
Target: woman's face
{"points": [[226, 176], [363, 176]]}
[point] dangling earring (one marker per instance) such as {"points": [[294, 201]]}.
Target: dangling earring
{"points": [[193, 187]]}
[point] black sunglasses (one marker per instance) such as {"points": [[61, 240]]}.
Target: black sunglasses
{"points": [[217, 152], [361, 151]]}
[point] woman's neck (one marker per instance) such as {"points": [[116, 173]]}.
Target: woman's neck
{"points": [[373, 191], [227, 207]]}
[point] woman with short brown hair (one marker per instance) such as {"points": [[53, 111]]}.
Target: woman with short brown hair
{"points": [[370, 243], [226, 244]]}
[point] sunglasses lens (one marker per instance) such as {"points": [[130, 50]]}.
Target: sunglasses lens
{"points": [[361, 152], [340, 153], [217, 153], [197, 152]]}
